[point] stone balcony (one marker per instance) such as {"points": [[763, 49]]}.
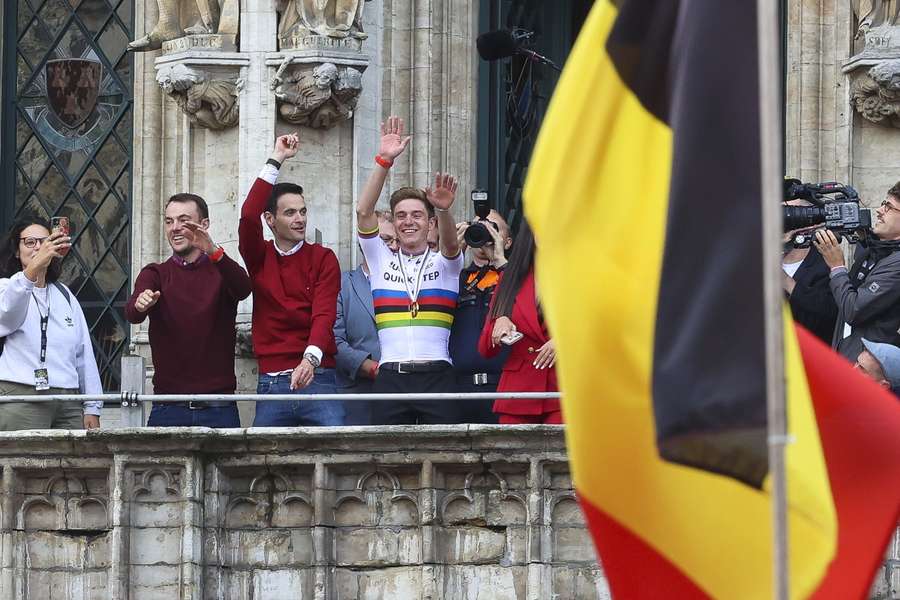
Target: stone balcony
{"points": [[366, 513]]}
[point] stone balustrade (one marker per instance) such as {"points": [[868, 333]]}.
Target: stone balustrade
{"points": [[441, 512]]}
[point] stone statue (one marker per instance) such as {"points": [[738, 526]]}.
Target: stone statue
{"points": [[330, 18], [877, 95], [210, 103], [875, 13], [178, 18], [317, 98]]}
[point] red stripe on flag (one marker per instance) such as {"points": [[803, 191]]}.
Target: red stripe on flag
{"points": [[859, 424], [627, 560]]}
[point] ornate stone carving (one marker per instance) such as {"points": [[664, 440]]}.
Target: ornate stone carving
{"points": [[876, 96], [317, 96], [213, 26], [210, 103], [873, 14], [66, 504], [301, 19]]}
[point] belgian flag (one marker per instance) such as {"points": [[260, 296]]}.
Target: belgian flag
{"points": [[644, 196]]}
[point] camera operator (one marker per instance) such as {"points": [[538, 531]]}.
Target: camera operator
{"points": [[477, 283], [805, 281], [868, 295]]}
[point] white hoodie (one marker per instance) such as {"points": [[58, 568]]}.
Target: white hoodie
{"points": [[70, 357]]}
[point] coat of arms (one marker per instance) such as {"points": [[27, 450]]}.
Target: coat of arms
{"points": [[73, 86]]}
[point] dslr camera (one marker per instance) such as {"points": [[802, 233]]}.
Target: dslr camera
{"points": [[834, 205], [476, 234]]}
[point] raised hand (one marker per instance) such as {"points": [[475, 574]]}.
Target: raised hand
{"points": [[286, 146], [198, 237], [392, 141], [444, 191], [461, 235], [55, 246], [498, 252], [146, 300]]}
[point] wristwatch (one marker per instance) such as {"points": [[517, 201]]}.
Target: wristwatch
{"points": [[313, 359]]}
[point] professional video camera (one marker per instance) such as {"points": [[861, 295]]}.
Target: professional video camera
{"points": [[834, 205], [476, 234]]}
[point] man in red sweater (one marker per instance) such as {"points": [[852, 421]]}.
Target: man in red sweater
{"points": [[191, 300], [295, 289]]}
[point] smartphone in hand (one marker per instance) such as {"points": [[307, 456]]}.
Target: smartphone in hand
{"points": [[511, 338], [61, 224]]}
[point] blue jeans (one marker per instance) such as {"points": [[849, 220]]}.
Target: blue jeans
{"points": [[168, 415], [270, 413]]}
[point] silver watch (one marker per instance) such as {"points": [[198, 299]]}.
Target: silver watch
{"points": [[313, 359]]}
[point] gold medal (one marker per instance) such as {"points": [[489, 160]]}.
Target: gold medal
{"points": [[414, 309]]}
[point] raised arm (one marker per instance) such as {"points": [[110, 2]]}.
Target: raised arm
{"points": [[392, 145], [251, 242], [441, 197]]}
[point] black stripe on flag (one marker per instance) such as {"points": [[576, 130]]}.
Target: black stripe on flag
{"points": [[693, 64]]}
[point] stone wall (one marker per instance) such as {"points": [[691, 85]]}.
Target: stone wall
{"points": [[455, 512]]}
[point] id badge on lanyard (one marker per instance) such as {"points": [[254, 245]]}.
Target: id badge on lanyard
{"points": [[41, 376]]}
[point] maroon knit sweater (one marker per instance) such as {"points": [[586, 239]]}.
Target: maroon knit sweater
{"points": [[294, 297], [192, 325]]}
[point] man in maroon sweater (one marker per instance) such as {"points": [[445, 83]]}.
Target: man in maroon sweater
{"points": [[295, 289], [191, 300]]}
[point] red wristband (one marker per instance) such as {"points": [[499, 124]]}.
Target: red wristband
{"points": [[217, 255], [383, 162], [374, 370]]}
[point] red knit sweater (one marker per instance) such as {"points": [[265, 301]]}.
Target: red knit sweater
{"points": [[294, 297], [192, 324]]}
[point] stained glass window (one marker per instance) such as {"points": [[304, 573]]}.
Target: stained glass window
{"points": [[67, 112]]}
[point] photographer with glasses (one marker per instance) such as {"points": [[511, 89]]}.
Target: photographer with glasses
{"points": [[868, 293]]}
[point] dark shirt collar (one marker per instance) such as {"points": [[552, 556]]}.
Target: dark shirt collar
{"points": [[187, 265]]}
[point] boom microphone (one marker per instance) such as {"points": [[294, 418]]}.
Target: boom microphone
{"points": [[494, 45]]}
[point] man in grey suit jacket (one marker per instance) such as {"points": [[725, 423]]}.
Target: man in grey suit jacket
{"points": [[358, 350]]}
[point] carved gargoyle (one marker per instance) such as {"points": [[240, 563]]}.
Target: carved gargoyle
{"points": [[318, 98], [876, 95], [210, 103]]}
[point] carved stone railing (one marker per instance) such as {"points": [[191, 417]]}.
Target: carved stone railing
{"points": [[327, 514]]}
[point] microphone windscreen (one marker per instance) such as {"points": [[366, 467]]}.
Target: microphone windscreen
{"points": [[494, 45]]}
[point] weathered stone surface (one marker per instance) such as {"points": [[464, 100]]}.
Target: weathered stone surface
{"points": [[326, 514]]}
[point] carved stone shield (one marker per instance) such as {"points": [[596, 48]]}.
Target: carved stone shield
{"points": [[73, 86]]}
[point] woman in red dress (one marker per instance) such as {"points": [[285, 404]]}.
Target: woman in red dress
{"points": [[530, 367]]}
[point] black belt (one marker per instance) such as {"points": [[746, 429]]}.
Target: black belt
{"points": [[479, 378], [419, 366], [199, 405]]}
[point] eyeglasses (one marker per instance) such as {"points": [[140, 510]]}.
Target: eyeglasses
{"points": [[31, 242], [888, 207]]}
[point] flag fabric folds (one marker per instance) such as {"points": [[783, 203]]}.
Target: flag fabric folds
{"points": [[644, 196]]}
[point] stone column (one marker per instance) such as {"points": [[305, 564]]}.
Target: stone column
{"points": [[430, 79]]}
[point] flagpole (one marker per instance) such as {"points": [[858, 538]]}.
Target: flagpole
{"points": [[769, 43]]}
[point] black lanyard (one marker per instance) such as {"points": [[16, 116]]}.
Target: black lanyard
{"points": [[45, 322]]}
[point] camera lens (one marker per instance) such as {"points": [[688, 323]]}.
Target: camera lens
{"points": [[798, 217], [477, 235]]}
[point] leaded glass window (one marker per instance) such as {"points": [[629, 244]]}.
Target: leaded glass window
{"points": [[67, 146]]}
